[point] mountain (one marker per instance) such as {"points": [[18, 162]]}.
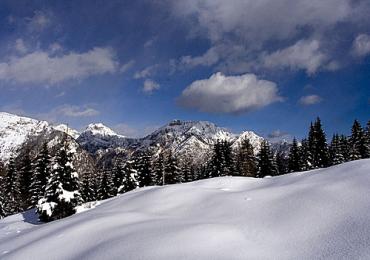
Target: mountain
{"points": [[319, 214], [14, 132], [65, 129]]}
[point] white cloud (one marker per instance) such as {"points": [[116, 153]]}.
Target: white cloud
{"points": [[310, 100], [68, 111], [209, 58], [127, 66], [148, 71], [20, 46], [42, 67], [229, 94], [303, 54], [39, 21], [150, 86], [361, 45]]}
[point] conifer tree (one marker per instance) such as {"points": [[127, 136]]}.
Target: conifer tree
{"points": [[318, 145], [106, 186], [344, 148], [25, 175], [216, 162], [2, 198], [11, 189], [294, 164], [367, 139], [62, 191], [159, 169], [117, 176], [246, 162], [358, 149], [266, 162], [336, 153], [172, 170], [305, 155], [130, 180], [228, 165], [41, 174], [187, 170], [281, 162], [145, 174], [88, 193]]}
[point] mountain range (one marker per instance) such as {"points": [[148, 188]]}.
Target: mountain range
{"points": [[99, 145]]}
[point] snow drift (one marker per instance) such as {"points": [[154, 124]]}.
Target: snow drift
{"points": [[320, 214]]}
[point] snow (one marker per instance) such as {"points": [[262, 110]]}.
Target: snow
{"points": [[100, 129], [320, 214], [65, 129], [14, 131]]}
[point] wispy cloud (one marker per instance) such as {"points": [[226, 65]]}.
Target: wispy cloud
{"points": [[310, 100]]}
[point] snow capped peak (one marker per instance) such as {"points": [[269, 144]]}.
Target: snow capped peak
{"points": [[100, 129], [14, 131], [66, 129]]}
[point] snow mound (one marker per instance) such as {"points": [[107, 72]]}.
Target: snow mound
{"points": [[319, 214]]}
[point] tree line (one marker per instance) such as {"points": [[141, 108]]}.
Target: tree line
{"points": [[54, 188]]}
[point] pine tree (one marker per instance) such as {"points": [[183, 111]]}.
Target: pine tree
{"points": [[145, 173], [335, 149], [88, 193], [367, 139], [281, 162], [172, 170], [246, 162], [216, 162], [106, 186], [187, 170], [130, 180], [159, 169], [344, 147], [305, 156], [11, 189], [62, 191], [358, 149], [117, 175], [228, 165], [25, 176], [41, 174], [266, 162], [2, 199], [318, 146], [294, 164]]}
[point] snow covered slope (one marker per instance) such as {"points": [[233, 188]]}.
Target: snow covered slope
{"points": [[320, 214], [14, 131]]}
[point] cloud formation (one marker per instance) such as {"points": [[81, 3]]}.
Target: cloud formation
{"points": [[229, 94], [150, 86], [361, 45], [310, 100], [43, 67]]}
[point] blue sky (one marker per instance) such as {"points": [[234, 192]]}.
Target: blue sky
{"points": [[269, 66]]}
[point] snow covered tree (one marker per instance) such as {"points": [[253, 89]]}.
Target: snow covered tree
{"points": [[62, 193], [305, 156], [159, 169], [11, 189], [130, 180], [246, 162], [2, 198], [187, 170], [358, 149], [294, 164], [25, 176], [172, 170], [335, 149], [318, 146], [106, 186], [88, 188], [281, 162], [266, 162], [344, 147], [41, 174], [367, 139], [145, 174], [216, 162], [228, 163], [117, 176]]}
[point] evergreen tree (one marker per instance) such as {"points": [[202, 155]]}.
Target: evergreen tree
{"points": [[117, 177], [187, 170], [344, 148], [266, 162], [281, 162], [2, 198], [318, 145], [172, 170], [25, 176], [246, 162], [130, 180], [294, 164], [88, 193], [367, 139], [159, 169], [11, 190], [358, 149], [40, 175], [336, 153], [62, 191], [106, 186], [216, 163], [145, 174], [305, 156], [228, 165]]}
